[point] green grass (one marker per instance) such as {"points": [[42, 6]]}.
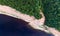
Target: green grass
{"points": [[30, 7]]}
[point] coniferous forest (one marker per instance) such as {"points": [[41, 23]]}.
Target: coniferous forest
{"points": [[50, 8]]}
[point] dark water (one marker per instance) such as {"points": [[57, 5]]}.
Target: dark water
{"points": [[10, 26]]}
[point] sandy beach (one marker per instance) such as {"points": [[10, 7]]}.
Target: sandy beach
{"points": [[31, 19]]}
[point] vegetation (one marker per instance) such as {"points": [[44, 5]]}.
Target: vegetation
{"points": [[51, 9], [30, 7]]}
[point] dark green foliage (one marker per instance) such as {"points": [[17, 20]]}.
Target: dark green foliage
{"points": [[51, 10], [30, 7]]}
